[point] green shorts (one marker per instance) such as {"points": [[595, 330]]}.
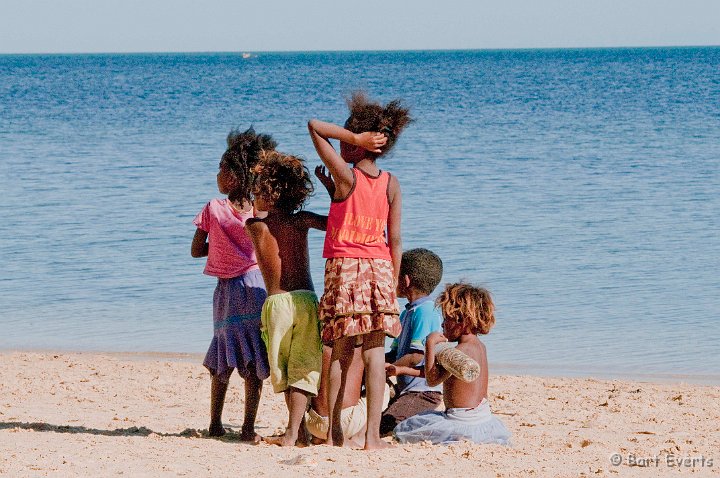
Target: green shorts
{"points": [[291, 332]]}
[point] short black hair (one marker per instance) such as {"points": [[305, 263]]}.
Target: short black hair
{"points": [[424, 268]]}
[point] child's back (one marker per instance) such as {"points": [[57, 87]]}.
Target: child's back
{"points": [[230, 252], [460, 394], [290, 326], [286, 267]]}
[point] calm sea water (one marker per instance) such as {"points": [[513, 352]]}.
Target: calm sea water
{"points": [[581, 186]]}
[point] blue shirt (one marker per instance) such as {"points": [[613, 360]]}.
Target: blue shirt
{"points": [[419, 319]]}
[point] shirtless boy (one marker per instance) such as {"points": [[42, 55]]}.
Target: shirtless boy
{"points": [[290, 326]]}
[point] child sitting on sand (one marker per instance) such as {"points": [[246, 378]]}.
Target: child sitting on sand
{"points": [[290, 326], [353, 418], [467, 311], [240, 291], [420, 272]]}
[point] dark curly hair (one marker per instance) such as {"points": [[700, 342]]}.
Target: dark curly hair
{"points": [[242, 154], [283, 180], [468, 305], [367, 115], [423, 267]]}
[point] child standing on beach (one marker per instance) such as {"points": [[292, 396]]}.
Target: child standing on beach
{"points": [[467, 311], [363, 251], [420, 272], [240, 292], [290, 326]]}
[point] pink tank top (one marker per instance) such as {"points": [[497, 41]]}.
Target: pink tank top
{"points": [[356, 226]]}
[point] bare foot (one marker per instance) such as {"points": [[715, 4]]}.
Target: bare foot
{"points": [[280, 440], [216, 430], [377, 444], [250, 437]]}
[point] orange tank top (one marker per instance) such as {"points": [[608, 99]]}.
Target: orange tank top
{"points": [[357, 225]]}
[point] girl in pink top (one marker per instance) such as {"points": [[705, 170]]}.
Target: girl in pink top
{"points": [[240, 291], [363, 251]]}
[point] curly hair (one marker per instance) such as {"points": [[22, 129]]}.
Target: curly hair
{"points": [[468, 305], [367, 115], [242, 154], [283, 180], [423, 267]]}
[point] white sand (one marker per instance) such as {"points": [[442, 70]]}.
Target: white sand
{"points": [[83, 414]]}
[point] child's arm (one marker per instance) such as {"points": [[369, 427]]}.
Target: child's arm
{"points": [[435, 374], [392, 369], [312, 220], [420, 325], [267, 252], [325, 180], [199, 247], [409, 360], [321, 133], [406, 365], [394, 219]]}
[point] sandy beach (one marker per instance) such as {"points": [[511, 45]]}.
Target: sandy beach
{"points": [[89, 414]]}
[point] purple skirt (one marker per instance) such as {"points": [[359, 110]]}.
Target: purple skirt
{"points": [[236, 343]]}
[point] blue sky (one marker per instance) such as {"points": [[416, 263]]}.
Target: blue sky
{"points": [[51, 26]]}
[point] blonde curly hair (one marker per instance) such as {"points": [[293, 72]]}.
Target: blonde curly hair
{"points": [[283, 180], [468, 305]]}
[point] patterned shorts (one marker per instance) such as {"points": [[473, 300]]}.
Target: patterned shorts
{"points": [[359, 298]]}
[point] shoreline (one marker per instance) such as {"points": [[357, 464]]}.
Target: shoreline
{"points": [[496, 368], [90, 414]]}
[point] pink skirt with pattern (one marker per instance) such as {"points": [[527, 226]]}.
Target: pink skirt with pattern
{"points": [[359, 298]]}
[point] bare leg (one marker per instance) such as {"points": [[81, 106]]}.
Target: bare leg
{"points": [[253, 391], [340, 361], [304, 435], [218, 389], [297, 402], [374, 358]]}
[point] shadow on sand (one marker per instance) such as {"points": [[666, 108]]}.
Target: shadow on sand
{"points": [[230, 436]]}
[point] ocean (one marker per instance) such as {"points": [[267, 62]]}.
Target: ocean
{"points": [[582, 187]]}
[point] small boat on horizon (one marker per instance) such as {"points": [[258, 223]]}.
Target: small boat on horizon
{"points": [[247, 55]]}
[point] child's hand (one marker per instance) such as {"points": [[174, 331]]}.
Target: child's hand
{"points": [[325, 179], [371, 141], [433, 339], [322, 174], [391, 370]]}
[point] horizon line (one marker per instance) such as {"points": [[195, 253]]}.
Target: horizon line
{"points": [[200, 52]]}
